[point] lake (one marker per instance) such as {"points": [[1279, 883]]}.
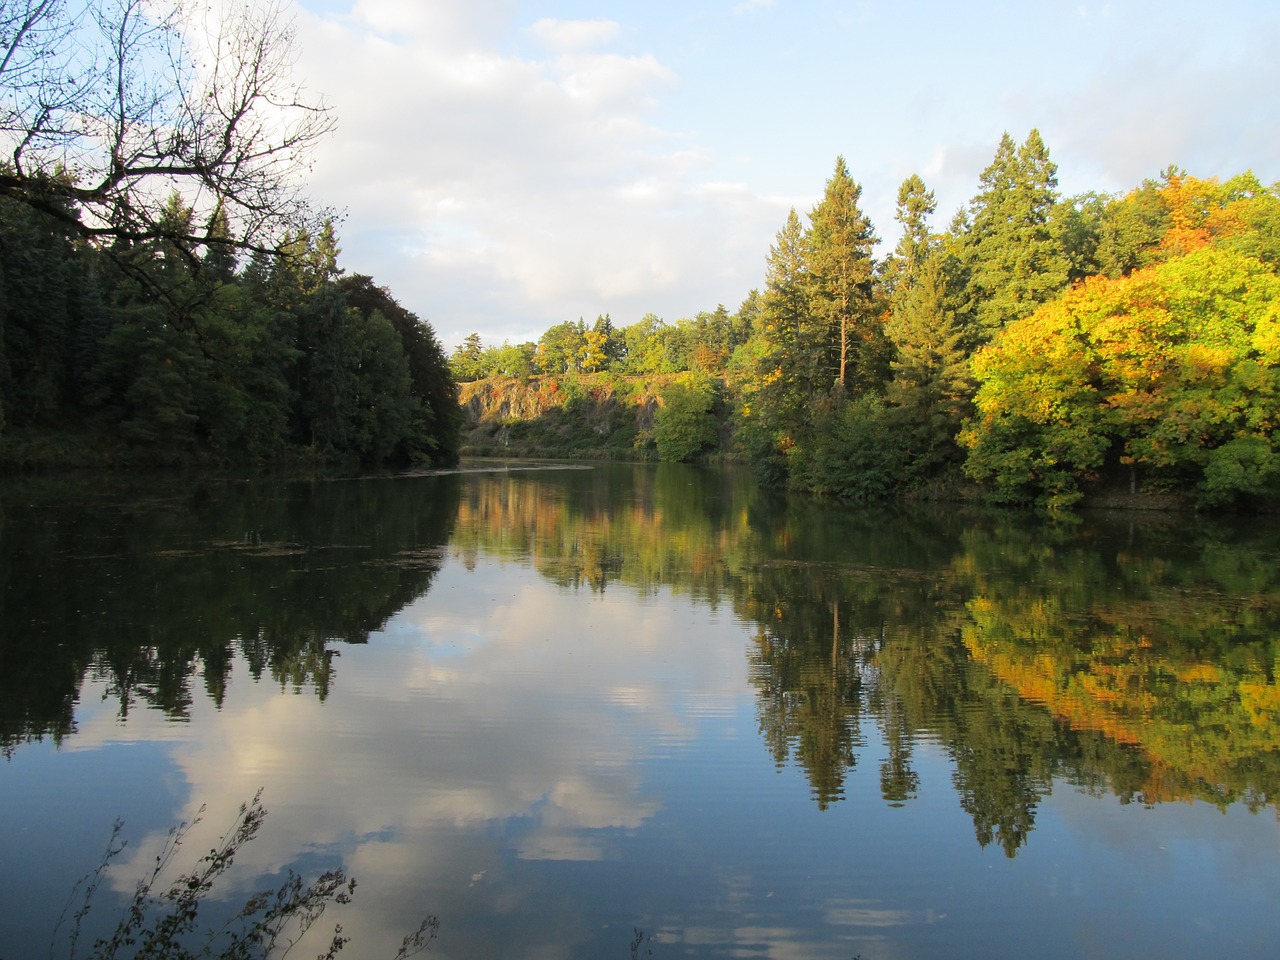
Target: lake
{"points": [[554, 705]]}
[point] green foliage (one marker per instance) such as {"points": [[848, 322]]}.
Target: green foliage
{"points": [[560, 349], [176, 359], [839, 270], [1173, 372], [46, 306], [685, 424], [916, 204], [467, 362], [857, 455], [931, 387], [792, 350], [1015, 263]]}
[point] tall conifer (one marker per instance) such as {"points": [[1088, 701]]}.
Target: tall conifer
{"points": [[837, 249], [1014, 260], [916, 204]]}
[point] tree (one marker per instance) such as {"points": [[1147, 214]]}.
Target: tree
{"points": [[931, 386], [1015, 262], [41, 276], [601, 346], [916, 204], [434, 432], [560, 348], [1171, 374], [468, 357], [790, 369], [685, 423], [100, 118], [837, 250]]}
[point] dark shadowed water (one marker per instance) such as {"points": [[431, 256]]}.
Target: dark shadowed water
{"points": [[553, 706]]}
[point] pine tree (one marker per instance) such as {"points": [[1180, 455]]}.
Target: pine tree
{"points": [[1014, 260], [837, 250], [467, 362], [916, 204], [220, 255], [792, 357], [931, 385]]}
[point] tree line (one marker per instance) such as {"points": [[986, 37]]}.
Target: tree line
{"points": [[1040, 346], [154, 353]]}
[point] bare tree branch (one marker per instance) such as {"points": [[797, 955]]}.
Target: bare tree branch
{"points": [[104, 117]]}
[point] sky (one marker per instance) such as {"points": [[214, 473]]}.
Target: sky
{"points": [[502, 166]]}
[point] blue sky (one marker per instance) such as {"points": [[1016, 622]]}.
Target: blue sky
{"points": [[507, 165]]}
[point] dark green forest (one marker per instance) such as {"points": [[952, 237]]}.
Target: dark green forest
{"points": [[154, 354], [1039, 349]]}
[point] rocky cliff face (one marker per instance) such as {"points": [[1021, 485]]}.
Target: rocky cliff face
{"points": [[504, 399], [500, 400], [583, 414]]}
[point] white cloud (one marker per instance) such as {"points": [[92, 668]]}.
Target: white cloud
{"points": [[505, 170], [564, 35], [493, 717], [504, 191]]}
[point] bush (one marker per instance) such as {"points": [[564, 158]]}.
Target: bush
{"points": [[685, 424], [857, 455]]}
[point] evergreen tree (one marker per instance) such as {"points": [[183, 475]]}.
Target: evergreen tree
{"points": [[467, 361], [434, 430], [792, 363], [837, 250], [916, 204], [220, 254], [1015, 260], [931, 386], [39, 274]]}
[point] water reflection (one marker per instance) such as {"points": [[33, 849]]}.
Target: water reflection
{"points": [[154, 590], [516, 699], [1134, 657]]}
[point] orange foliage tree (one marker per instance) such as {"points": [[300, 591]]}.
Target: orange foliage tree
{"points": [[1171, 374]]}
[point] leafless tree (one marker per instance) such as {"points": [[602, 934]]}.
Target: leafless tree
{"points": [[109, 107]]}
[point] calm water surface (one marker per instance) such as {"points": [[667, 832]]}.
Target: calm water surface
{"points": [[552, 706]]}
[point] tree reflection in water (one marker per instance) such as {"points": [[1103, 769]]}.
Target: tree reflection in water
{"points": [[1135, 657]]}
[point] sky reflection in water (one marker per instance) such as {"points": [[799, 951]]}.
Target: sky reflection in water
{"points": [[562, 739]]}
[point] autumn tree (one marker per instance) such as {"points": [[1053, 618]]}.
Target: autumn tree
{"points": [[1170, 376], [601, 346], [560, 348]]}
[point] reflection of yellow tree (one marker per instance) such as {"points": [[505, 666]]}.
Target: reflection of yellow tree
{"points": [[1149, 652], [1088, 653]]}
